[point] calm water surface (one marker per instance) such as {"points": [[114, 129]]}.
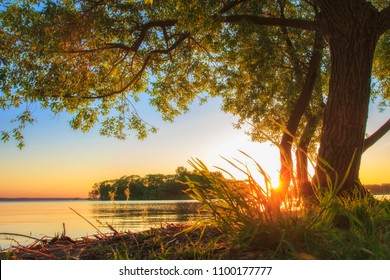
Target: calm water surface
{"points": [[46, 218]]}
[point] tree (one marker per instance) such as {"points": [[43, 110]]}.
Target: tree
{"points": [[331, 162], [92, 58], [260, 108], [276, 79], [95, 192], [353, 29], [135, 187]]}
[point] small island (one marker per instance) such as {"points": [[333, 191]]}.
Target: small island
{"points": [[148, 187]]}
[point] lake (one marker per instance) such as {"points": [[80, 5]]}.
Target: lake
{"points": [[45, 218]]}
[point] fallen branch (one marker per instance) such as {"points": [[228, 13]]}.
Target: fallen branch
{"points": [[37, 253], [85, 219], [21, 235]]}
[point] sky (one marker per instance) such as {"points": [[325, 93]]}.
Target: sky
{"points": [[60, 162]]}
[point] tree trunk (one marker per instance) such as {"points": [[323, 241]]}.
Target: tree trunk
{"points": [[352, 37], [303, 182], [286, 169]]}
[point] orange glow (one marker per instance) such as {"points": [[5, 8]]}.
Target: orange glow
{"points": [[275, 183], [59, 162]]}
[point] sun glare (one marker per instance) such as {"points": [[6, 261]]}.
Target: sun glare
{"points": [[275, 183], [262, 154]]}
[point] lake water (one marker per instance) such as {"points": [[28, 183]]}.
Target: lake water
{"points": [[45, 218]]}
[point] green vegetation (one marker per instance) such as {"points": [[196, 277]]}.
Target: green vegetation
{"points": [[149, 187], [330, 227]]}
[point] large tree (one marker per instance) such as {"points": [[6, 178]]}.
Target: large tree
{"points": [[353, 29], [93, 58], [290, 82]]}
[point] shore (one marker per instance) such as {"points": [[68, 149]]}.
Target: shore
{"points": [[173, 241]]}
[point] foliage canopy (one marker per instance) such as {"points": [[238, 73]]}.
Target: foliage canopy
{"points": [[93, 58]]}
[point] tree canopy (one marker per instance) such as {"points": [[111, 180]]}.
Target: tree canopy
{"points": [[93, 58]]}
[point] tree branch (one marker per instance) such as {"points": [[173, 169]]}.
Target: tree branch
{"points": [[269, 21], [297, 65], [373, 138], [138, 75], [306, 92], [118, 62], [145, 28]]}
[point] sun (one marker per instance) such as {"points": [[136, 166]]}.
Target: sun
{"points": [[275, 182]]}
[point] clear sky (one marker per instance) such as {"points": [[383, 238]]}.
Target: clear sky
{"points": [[60, 162]]}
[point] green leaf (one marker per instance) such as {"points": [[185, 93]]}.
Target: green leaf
{"points": [[5, 136]]}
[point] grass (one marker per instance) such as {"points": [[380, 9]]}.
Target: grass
{"points": [[350, 227]]}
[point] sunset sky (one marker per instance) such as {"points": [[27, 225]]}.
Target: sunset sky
{"points": [[60, 162]]}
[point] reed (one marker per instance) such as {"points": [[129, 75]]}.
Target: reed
{"points": [[335, 227]]}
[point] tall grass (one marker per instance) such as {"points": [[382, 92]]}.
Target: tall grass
{"points": [[336, 227]]}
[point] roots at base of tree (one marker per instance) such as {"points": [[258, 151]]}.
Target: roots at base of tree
{"points": [[355, 191]]}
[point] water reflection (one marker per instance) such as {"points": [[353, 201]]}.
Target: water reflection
{"points": [[140, 215], [46, 218]]}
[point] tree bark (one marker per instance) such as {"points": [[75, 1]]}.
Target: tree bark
{"points": [[286, 169], [302, 162], [352, 36]]}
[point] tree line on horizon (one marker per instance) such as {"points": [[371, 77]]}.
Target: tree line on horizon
{"points": [[148, 187], [379, 189]]}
